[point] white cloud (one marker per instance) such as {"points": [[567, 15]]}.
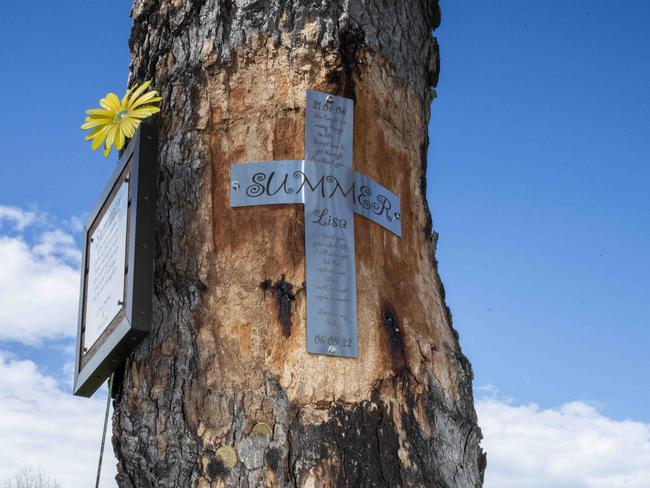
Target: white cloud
{"points": [[19, 217], [41, 424], [59, 244], [39, 283], [573, 446], [44, 426], [75, 223]]}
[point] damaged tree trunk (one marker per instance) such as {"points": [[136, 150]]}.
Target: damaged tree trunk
{"points": [[227, 349]]}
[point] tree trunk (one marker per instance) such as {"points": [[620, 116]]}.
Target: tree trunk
{"points": [[227, 348]]}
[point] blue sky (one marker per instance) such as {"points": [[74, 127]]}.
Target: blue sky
{"points": [[59, 58], [537, 182], [538, 178]]}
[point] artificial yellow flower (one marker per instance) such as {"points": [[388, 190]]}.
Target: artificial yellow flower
{"points": [[118, 120]]}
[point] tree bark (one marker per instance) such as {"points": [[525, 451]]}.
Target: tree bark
{"points": [[227, 348]]}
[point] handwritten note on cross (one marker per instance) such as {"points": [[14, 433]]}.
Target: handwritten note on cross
{"points": [[331, 192]]}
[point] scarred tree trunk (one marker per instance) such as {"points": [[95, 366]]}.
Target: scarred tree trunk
{"points": [[227, 349]]}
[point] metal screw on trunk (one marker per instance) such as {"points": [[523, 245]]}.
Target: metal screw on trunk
{"points": [[397, 216], [235, 185]]}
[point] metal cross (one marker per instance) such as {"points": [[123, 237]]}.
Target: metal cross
{"points": [[331, 193]]}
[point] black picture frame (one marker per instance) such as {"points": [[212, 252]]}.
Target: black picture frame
{"points": [[138, 164]]}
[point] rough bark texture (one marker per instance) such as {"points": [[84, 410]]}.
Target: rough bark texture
{"points": [[227, 348]]}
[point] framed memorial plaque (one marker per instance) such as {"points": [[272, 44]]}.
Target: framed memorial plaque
{"points": [[117, 266]]}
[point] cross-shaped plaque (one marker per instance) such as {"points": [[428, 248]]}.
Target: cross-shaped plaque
{"points": [[331, 193]]}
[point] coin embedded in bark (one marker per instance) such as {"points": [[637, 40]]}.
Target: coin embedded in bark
{"points": [[228, 455], [262, 428]]}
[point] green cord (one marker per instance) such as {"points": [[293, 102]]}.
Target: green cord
{"points": [[101, 449]]}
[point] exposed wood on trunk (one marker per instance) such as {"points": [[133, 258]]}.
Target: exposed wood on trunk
{"points": [[227, 348]]}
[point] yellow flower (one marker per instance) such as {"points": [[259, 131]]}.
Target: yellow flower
{"points": [[118, 120]]}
